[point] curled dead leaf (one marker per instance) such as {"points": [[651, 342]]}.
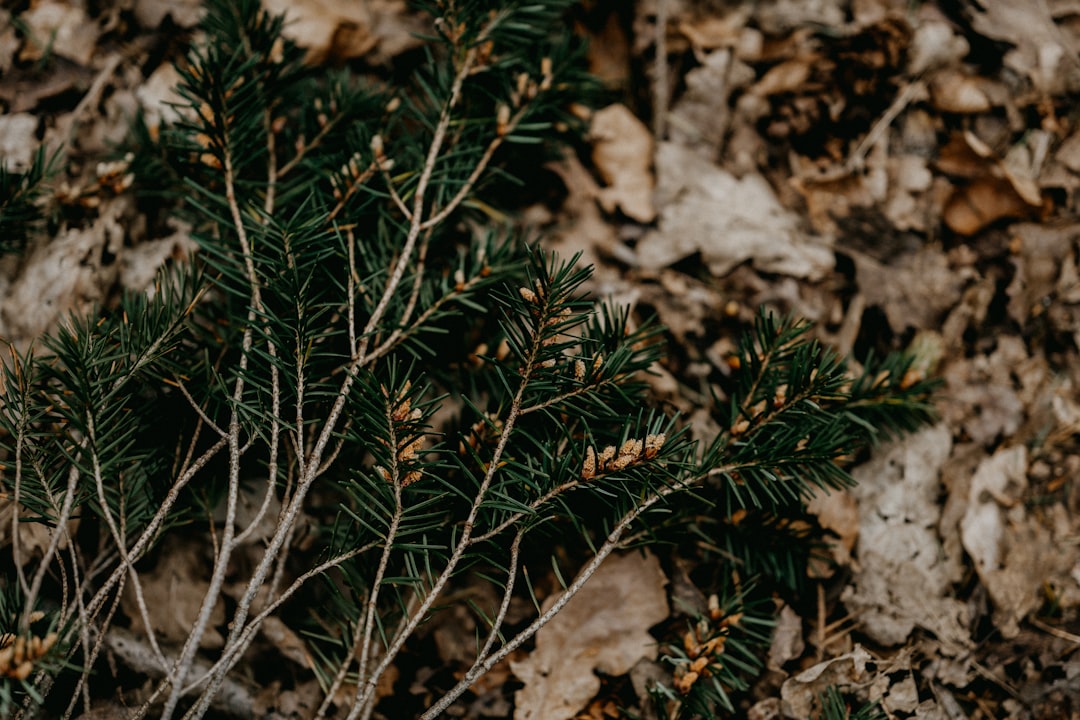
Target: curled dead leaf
{"points": [[955, 92], [58, 27], [622, 152], [980, 203], [589, 634]]}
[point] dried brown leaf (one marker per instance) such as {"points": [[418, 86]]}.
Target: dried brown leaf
{"points": [[728, 220], [901, 581], [622, 152], [335, 30], [63, 28], [604, 627]]}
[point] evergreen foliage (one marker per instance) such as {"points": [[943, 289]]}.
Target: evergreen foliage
{"points": [[20, 193], [834, 707], [343, 296]]}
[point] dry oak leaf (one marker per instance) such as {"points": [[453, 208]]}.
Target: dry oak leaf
{"points": [[622, 152], [58, 27], [18, 141], [1044, 49], [344, 29], [728, 220], [903, 580], [914, 289], [1009, 544], [998, 188], [604, 627]]}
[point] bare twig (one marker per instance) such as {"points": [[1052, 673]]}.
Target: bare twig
{"points": [[611, 543], [366, 689]]}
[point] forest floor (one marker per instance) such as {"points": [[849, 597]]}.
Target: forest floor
{"points": [[902, 174]]}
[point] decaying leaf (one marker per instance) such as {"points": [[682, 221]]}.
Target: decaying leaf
{"points": [[34, 537], [63, 28], [935, 44], [703, 114], [914, 289], [1040, 255], [800, 694], [728, 220], [787, 640], [603, 628], [1009, 543], [68, 273], [622, 151], [18, 141], [955, 92], [340, 29], [185, 13], [838, 512], [159, 99], [903, 581], [173, 592], [982, 396], [140, 265], [1041, 50]]}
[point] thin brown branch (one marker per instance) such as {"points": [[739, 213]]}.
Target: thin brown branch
{"points": [[484, 663]]}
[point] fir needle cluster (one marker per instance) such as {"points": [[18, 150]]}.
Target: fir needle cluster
{"points": [[344, 236]]}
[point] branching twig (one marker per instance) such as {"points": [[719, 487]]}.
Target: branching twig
{"points": [[611, 543]]}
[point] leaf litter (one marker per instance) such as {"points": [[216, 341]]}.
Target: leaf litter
{"points": [[882, 167]]}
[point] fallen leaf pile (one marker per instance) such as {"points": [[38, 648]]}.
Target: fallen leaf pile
{"points": [[897, 172]]}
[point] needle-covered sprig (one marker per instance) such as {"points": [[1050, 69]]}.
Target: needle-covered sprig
{"points": [[365, 398]]}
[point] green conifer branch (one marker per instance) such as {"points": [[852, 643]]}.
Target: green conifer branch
{"points": [[20, 199], [299, 361]]}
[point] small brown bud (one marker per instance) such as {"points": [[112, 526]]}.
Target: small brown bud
{"points": [[408, 451], [606, 455], [545, 74], [522, 84], [502, 120], [690, 643], [277, 50], [402, 410], [911, 377], [588, 468], [685, 683]]}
